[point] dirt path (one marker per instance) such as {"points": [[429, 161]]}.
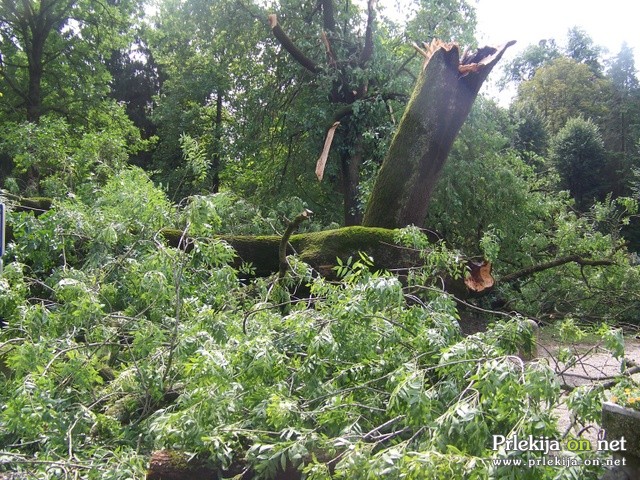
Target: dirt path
{"points": [[593, 364]]}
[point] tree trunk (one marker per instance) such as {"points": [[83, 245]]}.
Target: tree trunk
{"points": [[344, 92], [350, 163], [36, 70], [321, 249], [441, 101], [217, 146]]}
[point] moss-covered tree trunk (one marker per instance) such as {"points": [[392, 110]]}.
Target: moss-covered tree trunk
{"points": [[441, 101]]}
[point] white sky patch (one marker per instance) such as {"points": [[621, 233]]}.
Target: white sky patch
{"points": [[608, 23]]}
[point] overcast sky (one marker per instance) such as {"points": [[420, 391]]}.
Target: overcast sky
{"points": [[608, 23]]}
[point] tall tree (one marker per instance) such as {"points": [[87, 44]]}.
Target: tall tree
{"points": [[625, 123], [323, 62], [533, 57], [441, 101], [356, 74], [530, 136], [580, 47], [579, 155], [135, 82], [209, 57], [52, 53], [564, 89]]}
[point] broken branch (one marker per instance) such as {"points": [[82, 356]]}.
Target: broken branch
{"points": [[525, 272], [292, 227], [330, 55]]}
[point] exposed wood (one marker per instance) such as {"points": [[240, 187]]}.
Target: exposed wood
{"points": [[322, 161], [441, 101], [331, 57], [479, 278]]}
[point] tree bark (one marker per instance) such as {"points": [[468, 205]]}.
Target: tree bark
{"points": [[321, 249], [217, 145], [350, 164], [441, 101]]}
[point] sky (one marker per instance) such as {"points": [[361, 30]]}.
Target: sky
{"points": [[527, 21]]}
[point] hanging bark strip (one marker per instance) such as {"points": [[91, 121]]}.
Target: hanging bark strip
{"points": [[441, 101], [322, 161]]}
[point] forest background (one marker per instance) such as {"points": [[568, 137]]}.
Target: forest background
{"points": [[115, 124]]}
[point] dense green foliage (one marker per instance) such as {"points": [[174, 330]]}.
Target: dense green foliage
{"points": [[116, 344], [113, 344], [53, 54]]}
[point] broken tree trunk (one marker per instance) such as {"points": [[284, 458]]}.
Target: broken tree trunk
{"points": [[441, 101]]}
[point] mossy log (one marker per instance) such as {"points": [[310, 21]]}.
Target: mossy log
{"points": [[321, 249], [176, 465], [318, 249], [38, 205], [441, 101]]}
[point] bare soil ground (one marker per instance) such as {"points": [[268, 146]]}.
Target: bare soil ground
{"points": [[594, 365]]}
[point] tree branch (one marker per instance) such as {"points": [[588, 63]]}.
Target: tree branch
{"points": [[282, 251], [347, 110], [12, 84], [367, 50], [289, 46], [525, 272], [327, 15]]}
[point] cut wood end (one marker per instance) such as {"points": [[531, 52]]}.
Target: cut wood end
{"points": [[470, 68], [479, 277], [273, 20]]}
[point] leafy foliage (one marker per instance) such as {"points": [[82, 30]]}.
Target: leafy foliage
{"points": [[69, 159], [53, 52], [114, 344], [579, 156], [113, 348]]}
